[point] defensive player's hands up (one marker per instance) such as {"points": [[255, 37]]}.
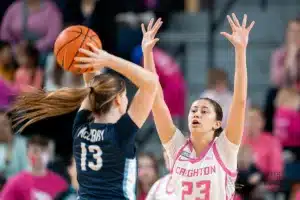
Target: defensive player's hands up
{"points": [[240, 33], [95, 58], [149, 39]]}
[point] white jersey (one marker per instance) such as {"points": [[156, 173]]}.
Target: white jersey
{"points": [[162, 189], [205, 177]]}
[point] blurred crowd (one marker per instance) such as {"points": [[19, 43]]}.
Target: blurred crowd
{"points": [[269, 157]]}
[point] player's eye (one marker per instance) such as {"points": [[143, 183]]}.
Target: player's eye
{"points": [[204, 111]]}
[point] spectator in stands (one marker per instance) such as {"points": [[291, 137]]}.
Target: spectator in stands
{"points": [[7, 94], [71, 192], [29, 75], [268, 160], [218, 90], [283, 58], [250, 185], [170, 77], [163, 188], [148, 173], [40, 183], [287, 120], [12, 149], [6, 62], [285, 69], [97, 15], [37, 21], [56, 77]]}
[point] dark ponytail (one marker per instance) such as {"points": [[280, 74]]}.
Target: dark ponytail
{"points": [[218, 132]]}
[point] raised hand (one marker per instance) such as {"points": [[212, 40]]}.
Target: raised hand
{"points": [[149, 39], [240, 33], [96, 58]]}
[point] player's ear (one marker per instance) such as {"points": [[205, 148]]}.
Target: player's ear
{"points": [[217, 125], [118, 100]]}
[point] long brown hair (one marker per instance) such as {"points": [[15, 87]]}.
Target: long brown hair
{"points": [[33, 107]]}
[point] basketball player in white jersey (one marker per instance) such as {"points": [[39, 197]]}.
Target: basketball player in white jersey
{"points": [[163, 188], [204, 166]]}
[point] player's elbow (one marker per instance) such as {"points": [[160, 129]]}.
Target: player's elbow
{"points": [[152, 82]]}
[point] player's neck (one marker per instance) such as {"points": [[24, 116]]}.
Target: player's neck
{"points": [[146, 187], [200, 142], [109, 118]]}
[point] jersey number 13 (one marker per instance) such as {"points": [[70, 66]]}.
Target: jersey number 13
{"points": [[97, 153]]}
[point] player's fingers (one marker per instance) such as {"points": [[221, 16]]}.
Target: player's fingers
{"points": [[81, 60], [153, 42], [235, 19], [93, 47], [143, 28], [232, 25], [227, 35], [150, 24], [251, 26], [157, 23], [87, 52], [244, 23], [156, 28], [82, 66]]}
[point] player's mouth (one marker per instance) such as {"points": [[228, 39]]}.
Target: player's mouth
{"points": [[195, 122]]}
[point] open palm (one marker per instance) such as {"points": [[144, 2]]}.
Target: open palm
{"points": [[149, 39], [240, 33]]}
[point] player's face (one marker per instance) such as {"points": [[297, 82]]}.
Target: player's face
{"points": [[202, 117], [38, 156], [254, 122]]}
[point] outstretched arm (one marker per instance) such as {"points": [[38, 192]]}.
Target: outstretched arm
{"points": [[239, 39], [146, 81], [162, 117]]}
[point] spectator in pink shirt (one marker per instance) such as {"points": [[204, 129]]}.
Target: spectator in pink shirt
{"points": [[287, 117], [29, 75], [266, 148], [43, 22], [38, 183], [283, 68], [287, 120]]}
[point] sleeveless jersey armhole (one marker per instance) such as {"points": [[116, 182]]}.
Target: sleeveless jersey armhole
{"points": [[174, 145], [226, 153]]}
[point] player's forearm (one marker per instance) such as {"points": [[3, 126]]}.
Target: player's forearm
{"points": [[142, 78], [149, 63], [240, 76]]}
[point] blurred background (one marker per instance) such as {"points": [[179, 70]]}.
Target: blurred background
{"points": [[192, 61]]}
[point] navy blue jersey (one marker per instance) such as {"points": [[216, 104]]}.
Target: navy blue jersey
{"points": [[105, 158]]}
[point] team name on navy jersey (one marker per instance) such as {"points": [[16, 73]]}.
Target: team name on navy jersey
{"points": [[92, 135]]}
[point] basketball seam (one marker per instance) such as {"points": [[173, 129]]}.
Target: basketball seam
{"points": [[68, 43], [90, 37], [79, 47]]}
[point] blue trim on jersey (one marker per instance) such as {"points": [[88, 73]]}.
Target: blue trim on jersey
{"points": [[130, 177]]}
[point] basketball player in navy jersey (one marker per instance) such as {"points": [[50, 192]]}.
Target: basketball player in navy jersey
{"points": [[104, 130]]}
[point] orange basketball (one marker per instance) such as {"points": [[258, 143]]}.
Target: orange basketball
{"points": [[68, 43]]}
